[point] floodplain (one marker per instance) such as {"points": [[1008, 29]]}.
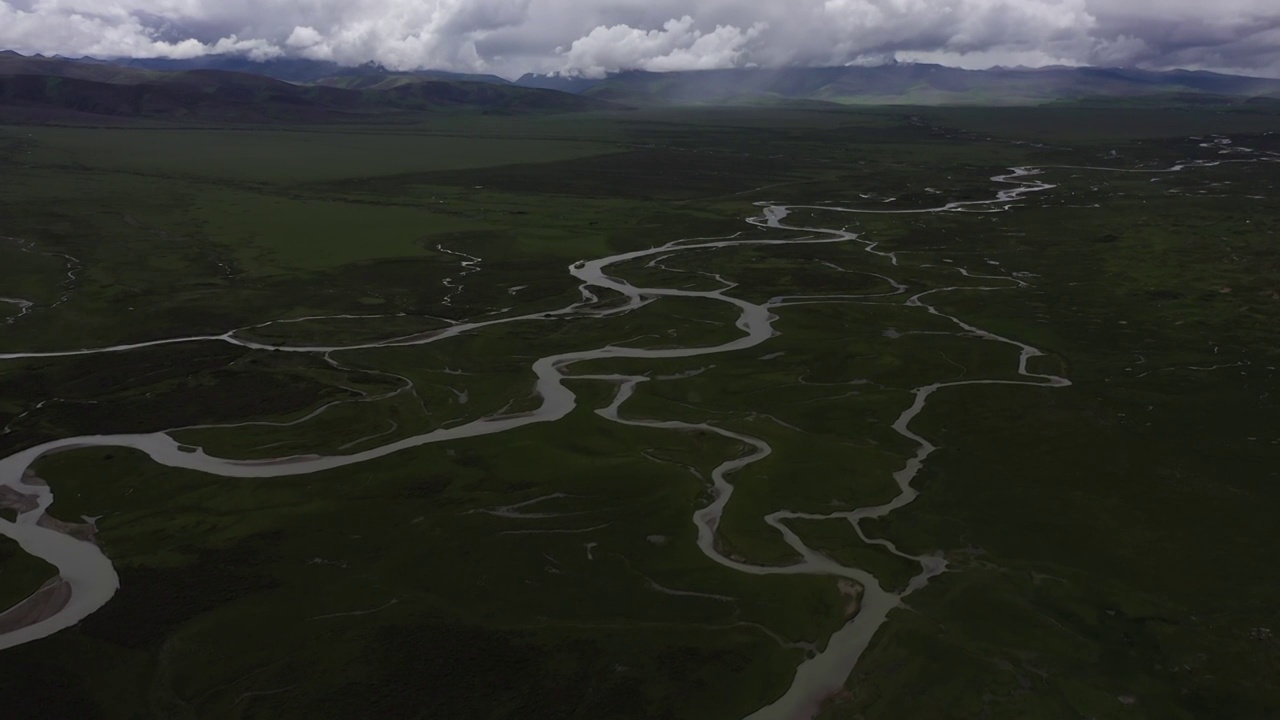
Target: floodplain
{"points": [[624, 415]]}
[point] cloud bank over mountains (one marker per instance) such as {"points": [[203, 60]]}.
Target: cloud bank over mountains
{"points": [[594, 37]]}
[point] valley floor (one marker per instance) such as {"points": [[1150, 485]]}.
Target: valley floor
{"points": [[664, 414]]}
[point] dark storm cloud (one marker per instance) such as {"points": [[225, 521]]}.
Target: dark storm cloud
{"points": [[598, 36]]}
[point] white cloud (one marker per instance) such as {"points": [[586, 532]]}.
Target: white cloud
{"points": [[677, 46], [304, 36], [595, 36]]}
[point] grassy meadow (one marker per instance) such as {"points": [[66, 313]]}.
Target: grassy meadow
{"points": [[1108, 543]]}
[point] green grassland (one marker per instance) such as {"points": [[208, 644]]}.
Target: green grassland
{"points": [[1109, 544], [22, 574]]}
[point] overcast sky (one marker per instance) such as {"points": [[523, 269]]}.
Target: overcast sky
{"points": [[511, 37]]}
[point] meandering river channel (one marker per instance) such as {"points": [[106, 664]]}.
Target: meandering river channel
{"points": [[87, 579]]}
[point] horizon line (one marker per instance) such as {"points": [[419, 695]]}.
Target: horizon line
{"points": [[571, 76]]}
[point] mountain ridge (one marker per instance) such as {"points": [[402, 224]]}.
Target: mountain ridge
{"points": [[905, 83], [39, 89], [888, 84]]}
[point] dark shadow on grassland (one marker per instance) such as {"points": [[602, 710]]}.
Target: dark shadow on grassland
{"points": [[438, 668], [638, 175], [170, 386], [36, 690], [152, 603], [1107, 121]]}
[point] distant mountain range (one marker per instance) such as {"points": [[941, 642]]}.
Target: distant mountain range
{"points": [[39, 89], [907, 84], [235, 88]]}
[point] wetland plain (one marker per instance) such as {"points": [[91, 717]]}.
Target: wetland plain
{"points": [[666, 413]]}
